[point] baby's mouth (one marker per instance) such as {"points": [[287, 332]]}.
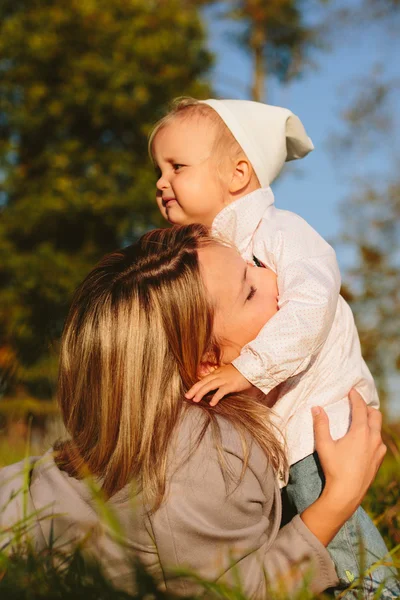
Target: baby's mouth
{"points": [[167, 202]]}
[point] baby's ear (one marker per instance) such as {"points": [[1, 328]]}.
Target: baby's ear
{"points": [[241, 176]]}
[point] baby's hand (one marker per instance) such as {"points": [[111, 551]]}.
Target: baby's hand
{"points": [[225, 380]]}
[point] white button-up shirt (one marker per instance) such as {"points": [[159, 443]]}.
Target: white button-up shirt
{"points": [[310, 348]]}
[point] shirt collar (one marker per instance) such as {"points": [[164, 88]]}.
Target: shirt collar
{"points": [[238, 221]]}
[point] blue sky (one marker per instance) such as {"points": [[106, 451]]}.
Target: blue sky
{"points": [[318, 184]]}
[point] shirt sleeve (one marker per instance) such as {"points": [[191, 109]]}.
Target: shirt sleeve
{"points": [[309, 286], [231, 536]]}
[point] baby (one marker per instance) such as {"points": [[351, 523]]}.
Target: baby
{"points": [[216, 160]]}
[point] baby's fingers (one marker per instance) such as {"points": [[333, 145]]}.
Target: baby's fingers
{"points": [[205, 388], [222, 391], [197, 386]]}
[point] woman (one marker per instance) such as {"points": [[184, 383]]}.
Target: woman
{"points": [[142, 326]]}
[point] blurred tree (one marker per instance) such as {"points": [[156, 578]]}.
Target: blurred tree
{"points": [[276, 36], [371, 214], [372, 286], [80, 85]]}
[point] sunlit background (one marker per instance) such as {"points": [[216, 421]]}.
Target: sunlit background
{"points": [[82, 82]]}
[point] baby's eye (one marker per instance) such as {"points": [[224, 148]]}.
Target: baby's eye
{"points": [[252, 292], [177, 167]]}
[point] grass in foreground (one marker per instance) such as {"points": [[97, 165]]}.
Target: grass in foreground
{"points": [[30, 575], [26, 574]]}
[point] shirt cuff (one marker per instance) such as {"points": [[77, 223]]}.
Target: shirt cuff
{"points": [[325, 575], [247, 366]]}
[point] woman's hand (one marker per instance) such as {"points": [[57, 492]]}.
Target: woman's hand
{"points": [[349, 464]]}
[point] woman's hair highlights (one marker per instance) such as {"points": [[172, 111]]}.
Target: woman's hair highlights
{"points": [[128, 355]]}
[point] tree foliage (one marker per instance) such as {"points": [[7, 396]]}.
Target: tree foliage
{"points": [[80, 85], [372, 218]]}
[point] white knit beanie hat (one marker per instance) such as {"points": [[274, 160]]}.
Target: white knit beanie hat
{"points": [[269, 135]]}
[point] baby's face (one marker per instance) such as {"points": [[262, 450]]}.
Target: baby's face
{"points": [[189, 188]]}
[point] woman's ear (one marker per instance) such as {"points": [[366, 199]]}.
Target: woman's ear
{"points": [[206, 367], [210, 362]]}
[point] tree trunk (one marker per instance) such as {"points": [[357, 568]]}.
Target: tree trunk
{"points": [[257, 43]]}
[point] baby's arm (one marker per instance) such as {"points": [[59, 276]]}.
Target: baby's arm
{"points": [[309, 286]]}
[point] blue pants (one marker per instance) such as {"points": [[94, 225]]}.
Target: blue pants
{"points": [[358, 544]]}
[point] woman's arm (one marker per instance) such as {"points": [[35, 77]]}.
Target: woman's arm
{"points": [[224, 534], [227, 532]]}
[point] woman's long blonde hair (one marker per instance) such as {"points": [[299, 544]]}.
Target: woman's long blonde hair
{"points": [[137, 331]]}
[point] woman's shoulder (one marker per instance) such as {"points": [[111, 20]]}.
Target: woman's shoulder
{"points": [[210, 517], [14, 479], [36, 486], [202, 442], [15, 499]]}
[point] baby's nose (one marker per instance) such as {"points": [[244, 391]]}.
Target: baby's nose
{"points": [[162, 183]]}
